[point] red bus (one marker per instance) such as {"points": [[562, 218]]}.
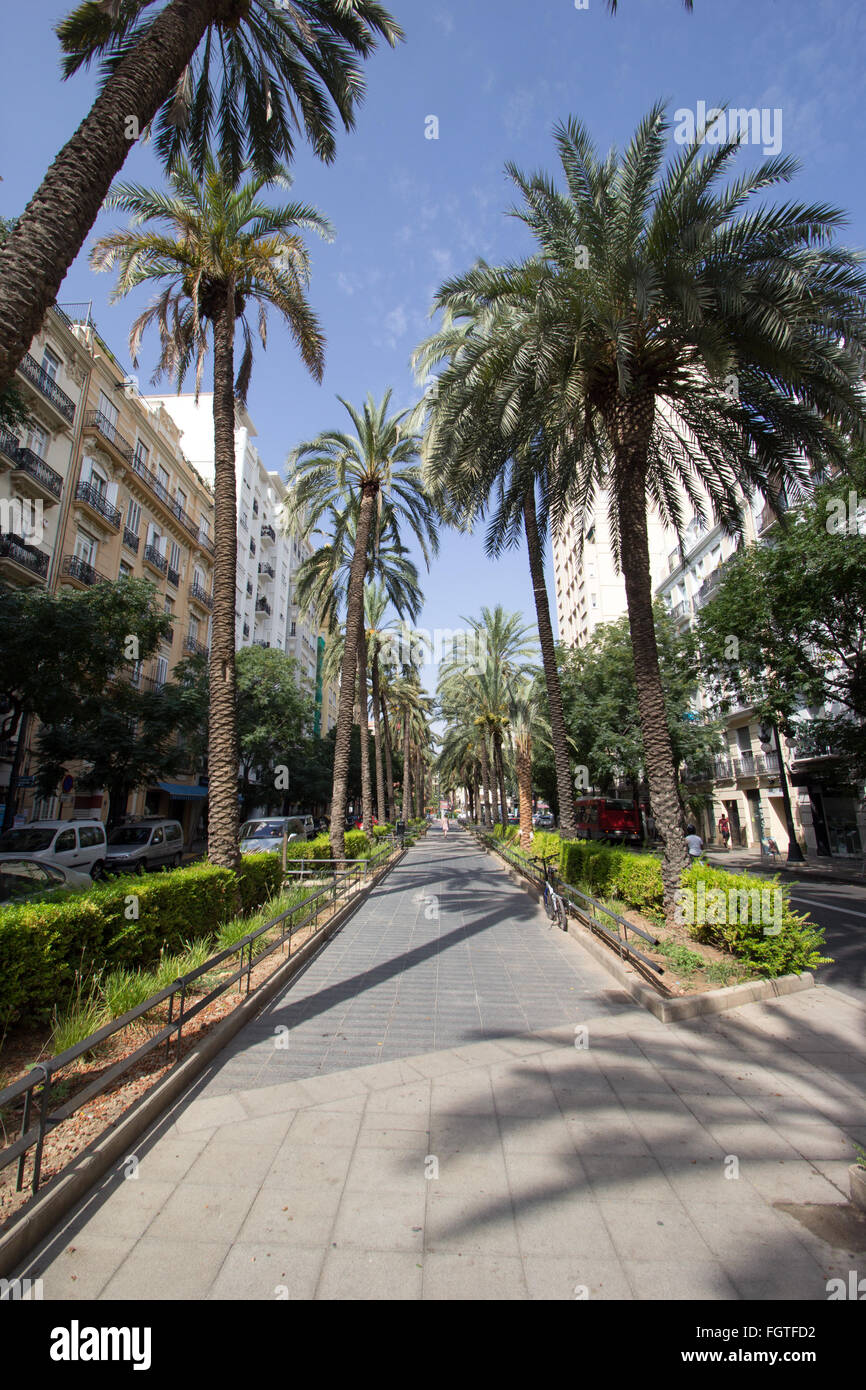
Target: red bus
{"points": [[602, 818]]}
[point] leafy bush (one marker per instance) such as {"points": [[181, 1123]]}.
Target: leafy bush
{"points": [[772, 940]]}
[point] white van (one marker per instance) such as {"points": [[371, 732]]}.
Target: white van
{"points": [[73, 844]]}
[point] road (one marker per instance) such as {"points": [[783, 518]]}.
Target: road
{"points": [[840, 908]]}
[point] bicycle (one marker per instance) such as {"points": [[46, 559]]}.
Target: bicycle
{"points": [[554, 905]]}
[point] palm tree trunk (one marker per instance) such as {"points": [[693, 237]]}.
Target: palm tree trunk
{"points": [[559, 738], [485, 782], [377, 735], [389, 760], [223, 824], [354, 618], [500, 774], [53, 227], [658, 752], [364, 731], [523, 759], [406, 808], [419, 783]]}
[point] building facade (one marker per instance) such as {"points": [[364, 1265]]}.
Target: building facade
{"points": [[126, 501]]}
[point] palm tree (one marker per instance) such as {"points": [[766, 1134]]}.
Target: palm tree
{"points": [[250, 75], [526, 726], [217, 247], [685, 354], [376, 468], [467, 418]]}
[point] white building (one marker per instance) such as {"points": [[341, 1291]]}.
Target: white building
{"points": [[265, 612], [589, 591]]}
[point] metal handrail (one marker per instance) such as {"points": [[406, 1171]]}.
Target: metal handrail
{"points": [[587, 909], [33, 1135]]}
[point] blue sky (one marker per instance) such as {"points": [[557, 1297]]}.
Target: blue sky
{"points": [[408, 211]]}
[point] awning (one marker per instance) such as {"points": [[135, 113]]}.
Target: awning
{"points": [[183, 791]]}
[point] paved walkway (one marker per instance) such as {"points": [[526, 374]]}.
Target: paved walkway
{"points": [[483, 1154], [838, 870]]}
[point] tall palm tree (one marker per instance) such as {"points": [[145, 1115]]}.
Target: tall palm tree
{"points": [[377, 468], [248, 76], [688, 351], [527, 727], [217, 247], [470, 410]]}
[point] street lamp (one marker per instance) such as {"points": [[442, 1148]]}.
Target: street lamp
{"points": [[767, 735]]}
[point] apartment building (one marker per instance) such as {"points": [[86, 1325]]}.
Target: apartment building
{"points": [[745, 781], [35, 460], [589, 591], [126, 502], [266, 610]]}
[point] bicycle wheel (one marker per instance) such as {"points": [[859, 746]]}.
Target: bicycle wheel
{"points": [[549, 903], [561, 914]]}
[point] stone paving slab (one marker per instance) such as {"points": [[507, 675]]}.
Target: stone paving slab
{"points": [[648, 1165]]}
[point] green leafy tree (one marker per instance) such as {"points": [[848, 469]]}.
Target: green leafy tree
{"points": [[60, 650], [786, 629]]}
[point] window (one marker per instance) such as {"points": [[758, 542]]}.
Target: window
{"points": [[294, 630], [161, 672], [169, 605], [163, 478], [154, 537], [85, 548], [157, 837], [107, 409], [244, 521], [181, 498], [125, 570], [142, 454], [65, 841], [98, 481], [89, 835], [36, 439], [133, 516], [174, 557], [50, 363], [193, 626]]}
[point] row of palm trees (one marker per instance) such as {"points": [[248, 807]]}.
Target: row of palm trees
{"points": [[494, 718]]}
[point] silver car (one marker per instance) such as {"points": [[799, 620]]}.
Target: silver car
{"points": [[23, 879], [265, 834], [145, 843]]}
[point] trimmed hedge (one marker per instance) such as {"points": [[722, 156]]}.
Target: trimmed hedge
{"points": [[774, 940]]}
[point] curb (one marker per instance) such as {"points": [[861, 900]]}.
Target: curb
{"points": [[670, 1010], [46, 1211]]}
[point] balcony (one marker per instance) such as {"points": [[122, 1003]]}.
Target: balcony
{"points": [[47, 388], [204, 542], [767, 764], [97, 505], [723, 770], [694, 775], [32, 477], [20, 561], [266, 570], [744, 765], [99, 424], [130, 540], [173, 577], [269, 534], [192, 645], [257, 642], [8, 448], [682, 612], [155, 559], [79, 573], [200, 596], [262, 606]]}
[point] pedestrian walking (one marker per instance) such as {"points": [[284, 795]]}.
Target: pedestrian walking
{"points": [[724, 829], [445, 825]]}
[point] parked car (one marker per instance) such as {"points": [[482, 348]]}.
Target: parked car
{"points": [[265, 834], [68, 844], [148, 842], [544, 820], [24, 879], [309, 826]]}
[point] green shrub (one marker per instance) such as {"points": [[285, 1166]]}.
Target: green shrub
{"points": [[751, 916], [122, 990], [260, 876]]}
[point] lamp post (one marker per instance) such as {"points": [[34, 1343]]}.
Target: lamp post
{"points": [[767, 734]]}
